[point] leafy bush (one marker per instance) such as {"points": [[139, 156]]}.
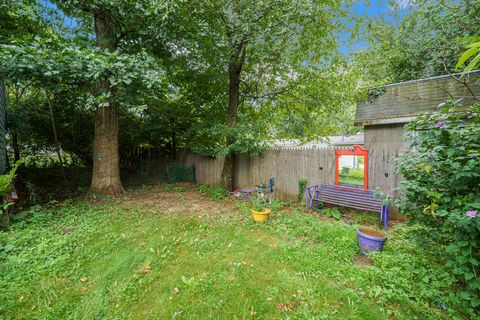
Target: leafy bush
{"points": [[302, 186], [214, 193], [6, 180], [332, 212], [277, 204], [179, 189], [441, 191], [166, 187], [32, 193]]}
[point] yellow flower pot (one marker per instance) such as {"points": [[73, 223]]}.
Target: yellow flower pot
{"points": [[260, 215]]}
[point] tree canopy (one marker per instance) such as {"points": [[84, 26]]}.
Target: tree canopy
{"points": [[427, 41], [214, 77]]}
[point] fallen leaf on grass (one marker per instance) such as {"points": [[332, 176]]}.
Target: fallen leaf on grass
{"points": [[289, 306], [282, 306], [145, 270]]}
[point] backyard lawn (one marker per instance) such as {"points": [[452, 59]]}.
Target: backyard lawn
{"points": [[173, 252]]}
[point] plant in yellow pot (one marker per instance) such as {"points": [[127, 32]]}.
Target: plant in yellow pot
{"points": [[260, 207]]}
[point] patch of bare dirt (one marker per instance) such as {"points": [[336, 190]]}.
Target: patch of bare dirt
{"points": [[363, 261], [188, 201]]}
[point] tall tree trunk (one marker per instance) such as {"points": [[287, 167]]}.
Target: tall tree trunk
{"points": [[106, 164], [106, 160], [234, 76]]}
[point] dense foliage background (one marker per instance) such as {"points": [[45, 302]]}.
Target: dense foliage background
{"points": [[168, 70], [425, 41], [442, 191], [170, 78]]}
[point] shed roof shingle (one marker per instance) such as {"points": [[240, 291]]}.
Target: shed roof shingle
{"points": [[400, 102]]}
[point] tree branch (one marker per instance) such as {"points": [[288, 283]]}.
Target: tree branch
{"points": [[465, 83]]}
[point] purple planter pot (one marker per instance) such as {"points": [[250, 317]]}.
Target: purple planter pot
{"points": [[370, 240]]}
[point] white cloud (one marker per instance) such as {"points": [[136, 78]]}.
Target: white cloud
{"points": [[403, 3]]}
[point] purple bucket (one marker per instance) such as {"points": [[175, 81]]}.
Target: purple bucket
{"points": [[370, 240]]}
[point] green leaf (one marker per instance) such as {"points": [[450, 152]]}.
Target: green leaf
{"points": [[474, 45], [475, 303], [453, 248], [475, 205], [465, 56], [442, 213], [473, 64]]}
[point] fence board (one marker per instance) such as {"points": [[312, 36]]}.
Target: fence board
{"points": [[290, 165]]}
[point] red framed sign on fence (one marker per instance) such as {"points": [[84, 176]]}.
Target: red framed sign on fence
{"points": [[351, 168]]}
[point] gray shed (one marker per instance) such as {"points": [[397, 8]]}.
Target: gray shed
{"points": [[385, 113], [392, 106]]}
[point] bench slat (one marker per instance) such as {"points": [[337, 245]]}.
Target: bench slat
{"points": [[346, 203], [327, 198], [347, 197], [355, 195], [364, 194], [346, 190], [367, 203], [353, 206]]}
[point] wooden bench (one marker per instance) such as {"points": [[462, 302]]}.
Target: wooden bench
{"points": [[359, 199]]}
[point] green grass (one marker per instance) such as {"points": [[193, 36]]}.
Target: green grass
{"points": [[214, 193], [117, 261]]}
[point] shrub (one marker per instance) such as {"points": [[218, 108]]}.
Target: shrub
{"points": [[214, 193], [302, 187], [6, 181], [332, 212], [441, 191]]}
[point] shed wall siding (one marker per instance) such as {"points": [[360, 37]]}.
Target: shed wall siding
{"points": [[385, 144]]}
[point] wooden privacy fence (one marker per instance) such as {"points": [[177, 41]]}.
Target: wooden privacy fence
{"points": [[289, 165]]}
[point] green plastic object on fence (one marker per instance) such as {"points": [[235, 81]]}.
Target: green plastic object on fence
{"points": [[180, 172]]}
